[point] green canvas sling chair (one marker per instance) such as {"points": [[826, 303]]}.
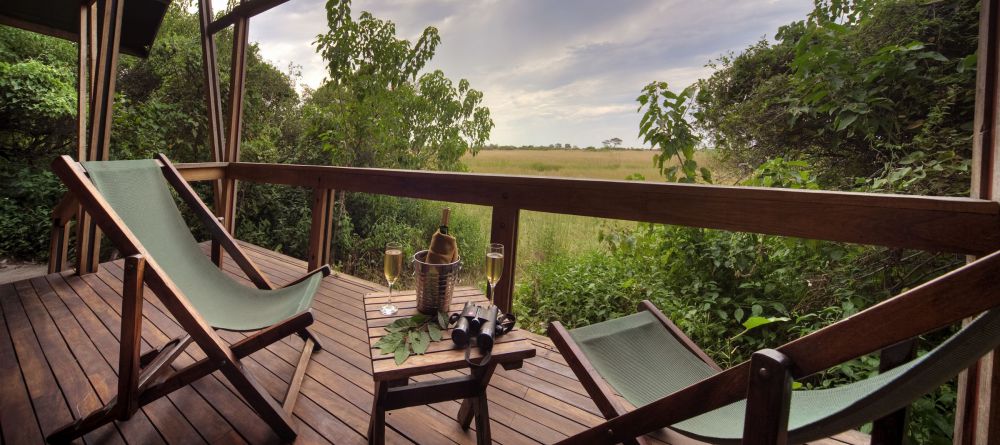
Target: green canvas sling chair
{"points": [[646, 376], [132, 204]]}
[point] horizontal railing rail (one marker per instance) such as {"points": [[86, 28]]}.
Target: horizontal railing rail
{"points": [[958, 225], [939, 224]]}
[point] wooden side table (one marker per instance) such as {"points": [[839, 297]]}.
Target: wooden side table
{"points": [[392, 387]]}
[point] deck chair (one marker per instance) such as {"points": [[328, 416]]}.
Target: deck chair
{"points": [[646, 376], [133, 205]]}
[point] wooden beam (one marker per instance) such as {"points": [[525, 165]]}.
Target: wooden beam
{"points": [[213, 101], [503, 230], [202, 171], [977, 413], [213, 98], [105, 73], [244, 11], [959, 225], [237, 87], [321, 231]]}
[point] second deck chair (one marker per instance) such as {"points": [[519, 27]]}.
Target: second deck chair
{"points": [[132, 204], [647, 361]]}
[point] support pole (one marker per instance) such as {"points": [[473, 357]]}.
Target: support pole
{"points": [[213, 101], [504, 231], [321, 232], [977, 414], [107, 14], [237, 87]]}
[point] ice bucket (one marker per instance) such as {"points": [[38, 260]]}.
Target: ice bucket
{"points": [[435, 283]]}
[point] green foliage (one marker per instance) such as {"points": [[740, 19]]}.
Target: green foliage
{"points": [[412, 335], [856, 90], [378, 111], [37, 111], [664, 125], [780, 173]]}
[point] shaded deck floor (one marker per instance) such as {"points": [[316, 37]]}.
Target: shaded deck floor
{"points": [[59, 354]]}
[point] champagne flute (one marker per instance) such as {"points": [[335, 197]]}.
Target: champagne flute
{"points": [[393, 265], [494, 266]]}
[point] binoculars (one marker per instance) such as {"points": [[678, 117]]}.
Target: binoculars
{"points": [[481, 323]]}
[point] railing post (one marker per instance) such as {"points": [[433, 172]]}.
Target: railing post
{"points": [[59, 245], [504, 231], [321, 231], [977, 413], [769, 398]]}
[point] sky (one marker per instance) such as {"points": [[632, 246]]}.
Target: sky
{"points": [[551, 71]]}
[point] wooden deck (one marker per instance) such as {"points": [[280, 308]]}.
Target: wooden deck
{"points": [[59, 354]]}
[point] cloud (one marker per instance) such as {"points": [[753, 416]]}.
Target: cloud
{"points": [[564, 71]]}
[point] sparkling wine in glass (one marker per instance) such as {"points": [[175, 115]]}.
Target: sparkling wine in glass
{"points": [[392, 267], [494, 266]]}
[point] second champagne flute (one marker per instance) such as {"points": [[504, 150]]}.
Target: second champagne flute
{"points": [[494, 266], [392, 267]]}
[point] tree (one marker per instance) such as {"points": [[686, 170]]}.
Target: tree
{"points": [[377, 110], [879, 94], [612, 143], [665, 126]]}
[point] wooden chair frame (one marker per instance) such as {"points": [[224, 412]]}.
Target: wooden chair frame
{"points": [[608, 401], [148, 377], [765, 380]]}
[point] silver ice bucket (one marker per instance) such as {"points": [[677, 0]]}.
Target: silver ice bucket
{"points": [[435, 283]]}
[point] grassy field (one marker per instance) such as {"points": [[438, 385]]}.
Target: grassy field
{"points": [[545, 234], [606, 164]]}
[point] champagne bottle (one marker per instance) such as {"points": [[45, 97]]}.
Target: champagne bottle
{"points": [[445, 214], [443, 248]]}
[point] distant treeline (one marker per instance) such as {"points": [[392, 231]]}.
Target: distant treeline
{"points": [[558, 147]]}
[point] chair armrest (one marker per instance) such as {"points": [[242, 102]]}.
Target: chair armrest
{"points": [[324, 269]]}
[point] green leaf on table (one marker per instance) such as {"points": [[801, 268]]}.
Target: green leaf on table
{"points": [[400, 323], [402, 353], [389, 343], [420, 340], [434, 331], [418, 319]]}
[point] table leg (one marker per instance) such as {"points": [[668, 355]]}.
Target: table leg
{"points": [[483, 420], [376, 427], [469, 406]]}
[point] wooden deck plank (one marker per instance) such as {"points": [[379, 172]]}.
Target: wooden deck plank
{"points": [[72, 323], [47, 398], [102, 376], [16, 409]]}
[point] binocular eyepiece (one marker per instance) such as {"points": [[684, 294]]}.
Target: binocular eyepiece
{"points": [[476, 321]]}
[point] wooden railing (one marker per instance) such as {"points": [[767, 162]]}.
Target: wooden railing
{"points": [[957, 225]]}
